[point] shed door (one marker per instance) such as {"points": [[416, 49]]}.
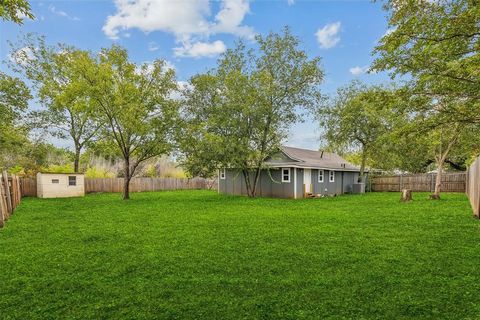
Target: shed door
{"points": [[307, 180]]}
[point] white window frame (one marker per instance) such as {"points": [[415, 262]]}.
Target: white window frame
{"points": [[331, 176], [223, 174], [321, 176], [283, 175]]}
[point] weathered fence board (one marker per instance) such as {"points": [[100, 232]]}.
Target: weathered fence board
{"points": [[473, 186], [145, 184], [451, 182], [29, 185], [10, 196]]}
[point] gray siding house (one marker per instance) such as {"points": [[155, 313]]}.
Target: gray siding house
{"points": [[296, 173]]}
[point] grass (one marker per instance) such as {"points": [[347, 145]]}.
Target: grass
{"points": [[195, 254]]}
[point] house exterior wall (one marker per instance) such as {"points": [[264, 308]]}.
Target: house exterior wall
{"points": [[342, 184], [269, 185], [47, 189]]}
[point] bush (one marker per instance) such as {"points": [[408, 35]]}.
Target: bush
{"points": [[94, 172]]}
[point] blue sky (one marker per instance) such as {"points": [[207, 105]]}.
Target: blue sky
{"points": [[190, 34]]}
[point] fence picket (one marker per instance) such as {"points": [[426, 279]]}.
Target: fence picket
{"points": [[451, 182]]}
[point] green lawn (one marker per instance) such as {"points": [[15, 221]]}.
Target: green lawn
{"points": [[195, 254]]}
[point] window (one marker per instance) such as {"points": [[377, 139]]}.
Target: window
{"points": [[55, 181], [222, 174], [286, 175], [72, 180], [320, 175], [331, 176]]}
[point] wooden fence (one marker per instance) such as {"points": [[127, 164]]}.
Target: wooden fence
{"points": [[29, 185], [10, 196], [473, 186], [451, 182]]}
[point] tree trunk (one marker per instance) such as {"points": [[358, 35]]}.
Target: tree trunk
{"points": [[246, 176], [76, 160], [126, 180], [362, 165], [255, 182], [438, 179]]}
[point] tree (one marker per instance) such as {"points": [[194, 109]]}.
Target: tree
{"points": [[14, 97], [15, 10], [134, 105], [437, 140], [436, 44], [55, 74], [358, 120], [237, 114]]}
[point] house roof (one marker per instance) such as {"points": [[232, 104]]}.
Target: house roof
{"points": [[304, 158]]}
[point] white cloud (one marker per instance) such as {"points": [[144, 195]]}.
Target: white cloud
{"points": [[230, 17], [62, 13], [356, 71], [22, 56], [190, 22], [290, 2], [327, 36], [200, 49], [153, 46]]}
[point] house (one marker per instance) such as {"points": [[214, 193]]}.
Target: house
{"points": [[297, 173], [60, 185]]}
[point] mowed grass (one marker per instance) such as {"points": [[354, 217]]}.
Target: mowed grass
{"points": [[199, 255]]}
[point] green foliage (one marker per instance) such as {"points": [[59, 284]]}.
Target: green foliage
{"points": [[15, 10], [436, 43], [195, 254], [94, 172], [14, 97], [237, 114], [359, 119], [56, 74], [66, 168]]}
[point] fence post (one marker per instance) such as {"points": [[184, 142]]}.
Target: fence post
{"points": [[3, 209], [7, 192]]}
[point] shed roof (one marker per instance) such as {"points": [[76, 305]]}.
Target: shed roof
{"points": [[69, 173], [305, 158]]}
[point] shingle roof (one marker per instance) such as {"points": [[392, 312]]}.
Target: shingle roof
{"points": [[315, 159]]}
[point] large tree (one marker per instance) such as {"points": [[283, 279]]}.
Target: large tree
{"points": [[237, 114], [56, 75], [435, 140], [436, 45], [358, 120], [134, 105]]}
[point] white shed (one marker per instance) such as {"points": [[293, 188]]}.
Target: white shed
{"points": [[60, 185]]}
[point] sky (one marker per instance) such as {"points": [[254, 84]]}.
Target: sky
{"points": [[191, 34]]}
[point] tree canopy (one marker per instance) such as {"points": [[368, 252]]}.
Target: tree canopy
{"points": [[237, 114], [436, 43], [134, 104], [359, 120], [14, 97], [56, 74]]}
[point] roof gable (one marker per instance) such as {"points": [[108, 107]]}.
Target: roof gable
{"points": [[311, 158]]}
